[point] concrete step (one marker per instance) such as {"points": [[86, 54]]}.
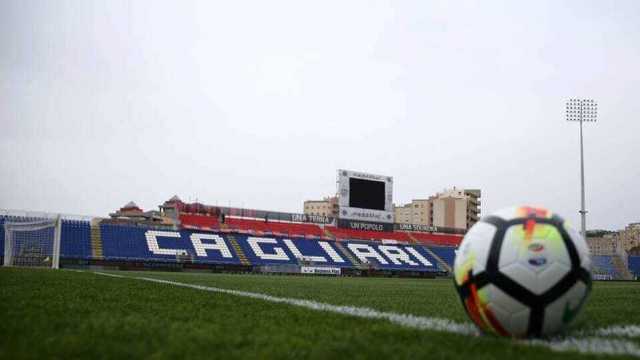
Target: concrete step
{"points": [[328, 233], [412, 239], [442, 263], [238, 250], [96, 240]]}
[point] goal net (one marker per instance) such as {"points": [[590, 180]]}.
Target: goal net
{"points": [[35, 243]]}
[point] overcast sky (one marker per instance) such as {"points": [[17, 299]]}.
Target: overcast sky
{"points": [[256, 104]]}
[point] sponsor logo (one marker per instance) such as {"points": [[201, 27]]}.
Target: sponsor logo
{"points": [[539, 261], [363, 226], [569, 313], [365, 214], [367, 176], [310, 218], [415, 227], [536, 247]]}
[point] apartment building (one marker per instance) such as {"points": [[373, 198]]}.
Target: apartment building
{"points": [[325, 207], [451, 208]]}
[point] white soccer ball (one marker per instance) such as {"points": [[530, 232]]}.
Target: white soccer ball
{"points": [[522, 272]]}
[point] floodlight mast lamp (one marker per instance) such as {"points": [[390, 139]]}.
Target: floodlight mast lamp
{"points": [[582, 110]]}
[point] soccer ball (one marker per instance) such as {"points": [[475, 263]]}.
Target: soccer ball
{"points": [[522, 272]]}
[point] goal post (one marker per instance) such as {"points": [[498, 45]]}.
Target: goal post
{"points": [[33, 243]]}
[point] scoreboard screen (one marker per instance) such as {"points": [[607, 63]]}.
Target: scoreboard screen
{"points": [[365, 197], [366, 194]]}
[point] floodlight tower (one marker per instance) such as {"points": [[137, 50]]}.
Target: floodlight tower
{"points": [[582, 110]]}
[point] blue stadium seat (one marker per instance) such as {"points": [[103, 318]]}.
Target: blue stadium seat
{"points": [[446, 253], [634, 265], [392, 256], [603, 267], [75, 240], [121, 242], [281, 251], [140, 243]]}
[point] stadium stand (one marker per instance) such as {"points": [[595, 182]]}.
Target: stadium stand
{"points": [[392, 256], [204, 240], [446, 253], [603, 267], [294, 229], [345, 234], [437, 239], [275, 228], [277, 250], [75, 239], [634, 265], [199, 221], [137, 243], [122, 242]]}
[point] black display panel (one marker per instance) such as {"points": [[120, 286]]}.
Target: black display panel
{"points": [[366, 194]]}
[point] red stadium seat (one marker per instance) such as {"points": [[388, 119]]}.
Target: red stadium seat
{"points": [[437, 239], [276, 228], [344, 234], [425, 238], [201, 221], [261, 227]]}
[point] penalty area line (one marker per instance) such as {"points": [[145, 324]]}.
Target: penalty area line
{"points": [[588, 345]]}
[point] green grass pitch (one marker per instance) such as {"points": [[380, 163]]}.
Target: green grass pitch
{"points": [[64, 314]]}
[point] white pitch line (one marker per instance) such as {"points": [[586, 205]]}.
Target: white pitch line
{"points": [[589, 345], [417, 322], [630, 331]]}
